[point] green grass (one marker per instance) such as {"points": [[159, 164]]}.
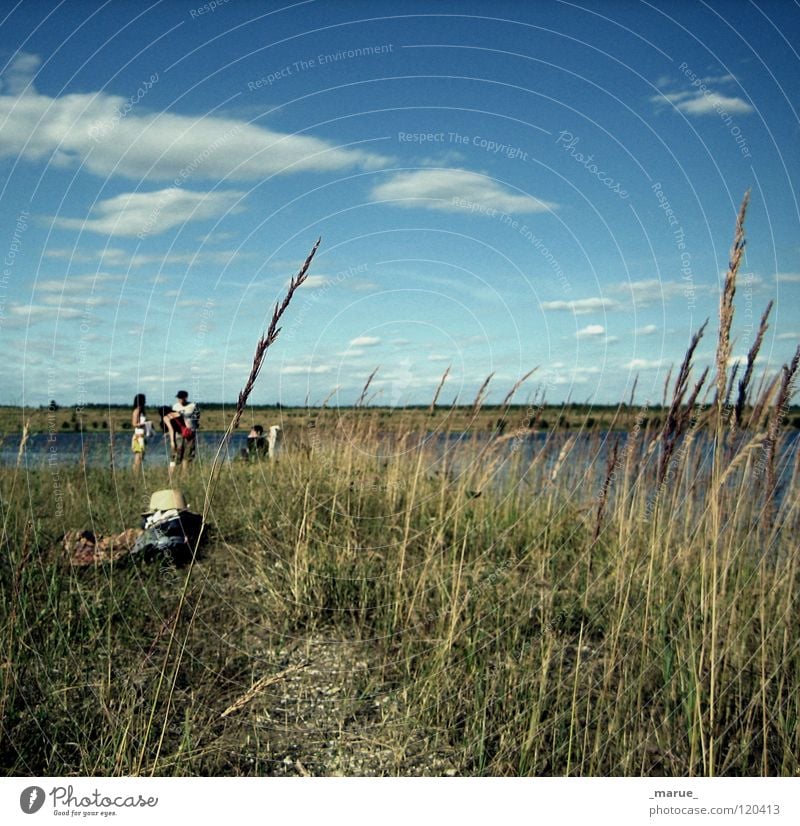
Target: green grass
{"points": [[461, 419], [498, 631]]}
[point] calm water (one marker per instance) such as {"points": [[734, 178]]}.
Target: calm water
{"points": [[68, 448], [456, 453]]}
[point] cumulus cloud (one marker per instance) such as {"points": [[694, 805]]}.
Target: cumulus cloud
{"points": [[591, 331], [647, 330], [741, 360], [111, 135], [581, 306], [645, 364], [151, 213], [314, 282], [788, 277], [561, 374], [304, 369], [76, 283], [19, 74], [726, 78], [455, 190], [71, 300], [653, 291], [116, 257], [364, 341], [701, 102], [38, 312]]}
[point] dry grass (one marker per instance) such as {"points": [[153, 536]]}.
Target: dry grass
{"points": [[571, 604]]}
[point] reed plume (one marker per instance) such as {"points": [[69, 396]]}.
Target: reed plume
{"points": [[726, 307], [446, 373], [751, 359], [262, 346], [679, 414], [478, 402], [513, 390], [363, 395], [611, 463]]}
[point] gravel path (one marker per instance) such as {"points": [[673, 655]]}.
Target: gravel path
{"points": [[331, 716]]}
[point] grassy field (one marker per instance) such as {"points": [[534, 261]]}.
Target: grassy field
{"points": [[419, 615], [461, 419], [585, 605]]}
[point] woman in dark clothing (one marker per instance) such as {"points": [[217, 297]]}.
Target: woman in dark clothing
{"points": [[140, 427]]}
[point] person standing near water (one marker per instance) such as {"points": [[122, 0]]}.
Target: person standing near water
{"points": [[180, 436], [190, 412], [142, 430]]}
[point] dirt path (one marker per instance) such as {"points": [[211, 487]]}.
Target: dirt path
{"points": [[331, 716]]}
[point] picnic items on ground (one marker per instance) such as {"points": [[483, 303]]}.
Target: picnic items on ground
{"points": [[170, 532]]}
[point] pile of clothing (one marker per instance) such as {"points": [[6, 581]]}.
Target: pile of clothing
{"points": [[169, 532]]}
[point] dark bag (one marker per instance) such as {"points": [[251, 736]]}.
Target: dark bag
{"points": [[174, 539]]}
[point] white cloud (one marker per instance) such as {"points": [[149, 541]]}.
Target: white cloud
{"points": [[788, 337], [704, 103], [591, 331], [719, 79], [713, 103], [563, 375], [647, 330], [645, 364], [581, 305], [741, 360], [71, 300], [110, 255], [455, 190], [788, 277], [76, 283], [19, 75], [151, 213], [90, 130], [365, 341], [37, 312], [652, 290], [304, 369], [438, 357], [314, 282], [117, 257]]}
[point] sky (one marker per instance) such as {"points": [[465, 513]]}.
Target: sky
{"points": [[499, 186]]}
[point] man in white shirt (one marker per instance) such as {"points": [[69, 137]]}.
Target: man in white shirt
{"points": [[191, 416]]}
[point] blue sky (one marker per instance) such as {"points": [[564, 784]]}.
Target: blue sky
{"points": [[498, 186]]}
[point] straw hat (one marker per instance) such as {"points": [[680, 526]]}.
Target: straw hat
{"points": [[165, 500]]}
